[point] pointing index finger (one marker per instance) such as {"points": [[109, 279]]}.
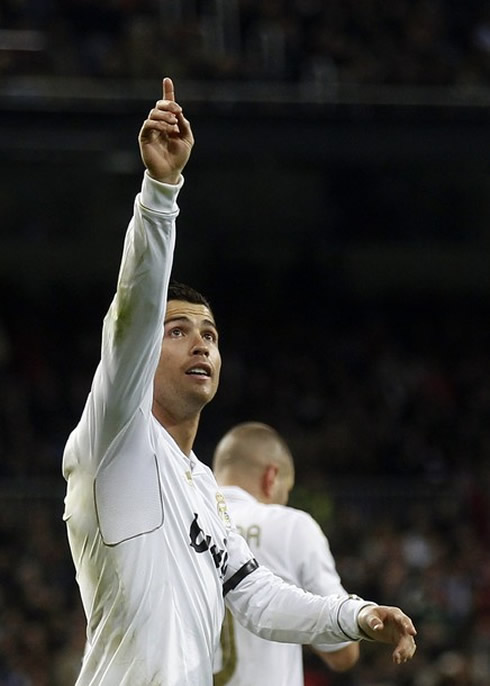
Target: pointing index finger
{"points": [[168, 89]]}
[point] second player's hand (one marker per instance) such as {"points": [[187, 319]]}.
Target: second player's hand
{"points": [[389, 625], [166, 138]]}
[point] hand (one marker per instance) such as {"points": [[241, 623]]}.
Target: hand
{"points": [[166, 139], [389, 625]]}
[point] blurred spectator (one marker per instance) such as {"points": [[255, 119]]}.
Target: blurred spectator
{"points": [[421, 42]]}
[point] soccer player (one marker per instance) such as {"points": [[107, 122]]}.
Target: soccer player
{"points": [[156, 558], [255, 470]]}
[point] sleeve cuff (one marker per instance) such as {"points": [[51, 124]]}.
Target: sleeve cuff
{"points": [[160, 197], [347, 614]]}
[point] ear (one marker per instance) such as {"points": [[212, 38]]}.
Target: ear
{"points": [[269, 476]]}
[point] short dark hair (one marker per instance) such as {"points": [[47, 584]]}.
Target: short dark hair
{"points": [[180, 291]]}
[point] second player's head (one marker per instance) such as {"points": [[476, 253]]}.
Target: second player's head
{"points": [[255, 457]]}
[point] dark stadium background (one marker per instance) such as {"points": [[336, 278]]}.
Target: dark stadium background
{"points": [[336, 212]]}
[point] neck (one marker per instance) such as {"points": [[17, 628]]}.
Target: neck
{"points": [[242, 482], [182, 430]]}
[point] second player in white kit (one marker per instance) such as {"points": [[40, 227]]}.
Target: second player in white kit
{"points": [[277, 535], [255, 470]]}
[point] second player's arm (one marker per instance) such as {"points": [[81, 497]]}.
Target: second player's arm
{"points": [[316, 572]]}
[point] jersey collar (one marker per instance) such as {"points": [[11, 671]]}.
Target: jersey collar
{"points": [[190, 461]]}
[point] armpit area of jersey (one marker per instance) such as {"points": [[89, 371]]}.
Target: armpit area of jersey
{"points": [[238, 576]]}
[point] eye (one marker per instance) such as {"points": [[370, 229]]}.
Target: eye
{"points": [[210, 336], [176, 332]]}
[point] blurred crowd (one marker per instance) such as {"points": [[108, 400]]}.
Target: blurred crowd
{"points": [[416, 42], [386, 406], [387, 411]]}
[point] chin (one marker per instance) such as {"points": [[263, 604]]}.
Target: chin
{"points": [[200, 400]]}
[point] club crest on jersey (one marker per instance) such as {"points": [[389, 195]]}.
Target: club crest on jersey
{"points": [[223, 510]]}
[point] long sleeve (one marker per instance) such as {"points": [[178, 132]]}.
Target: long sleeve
{"points": [[275, 610], [133, 326]]}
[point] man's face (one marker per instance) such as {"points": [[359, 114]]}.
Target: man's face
{"points": [[188, 371]]}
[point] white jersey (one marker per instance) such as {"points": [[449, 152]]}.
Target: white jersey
{"points": [[150, 538], [290, 543]]}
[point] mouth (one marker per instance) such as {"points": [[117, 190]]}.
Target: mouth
{"points": [[199, 371]]}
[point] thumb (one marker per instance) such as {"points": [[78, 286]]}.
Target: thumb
{"points": [[374, 622], [369, 620]]}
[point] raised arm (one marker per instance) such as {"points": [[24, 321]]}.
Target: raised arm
{"points": [[133, 326]]}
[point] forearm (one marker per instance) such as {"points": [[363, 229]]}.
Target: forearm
{"points": [[339, 660], [145, 267], [277, 611], [149, 234]]}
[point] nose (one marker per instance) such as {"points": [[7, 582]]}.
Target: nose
{"points": [[200, 347]]}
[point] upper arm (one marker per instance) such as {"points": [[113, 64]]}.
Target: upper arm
{"points": [[240, 563], [133, 326]]}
